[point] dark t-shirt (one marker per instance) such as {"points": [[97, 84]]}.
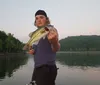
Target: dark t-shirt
{"points": [[43, 53]]}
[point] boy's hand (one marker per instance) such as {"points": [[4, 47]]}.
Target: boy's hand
{"points": [[53, 39], [31, 51], [53, 36]]}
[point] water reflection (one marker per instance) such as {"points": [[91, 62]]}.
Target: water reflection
{"points": [[10, 63], [78, 69], [82, 60], [71, 69]]}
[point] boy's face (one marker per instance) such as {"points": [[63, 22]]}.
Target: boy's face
{"points": [[40, 20]]}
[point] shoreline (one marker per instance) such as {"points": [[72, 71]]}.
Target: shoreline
{"points": [[80, 52], [11, 53], [71, 52]]}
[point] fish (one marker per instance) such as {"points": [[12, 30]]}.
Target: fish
{"points": [[37, 35]]}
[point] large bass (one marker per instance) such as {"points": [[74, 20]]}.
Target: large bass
{"points": [[37, 35]]}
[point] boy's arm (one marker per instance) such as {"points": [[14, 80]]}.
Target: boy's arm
{"points": [[53, 39], [56, 46], [32, 49]]}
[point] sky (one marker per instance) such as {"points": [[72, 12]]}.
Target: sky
{"points": [[70, 17]]}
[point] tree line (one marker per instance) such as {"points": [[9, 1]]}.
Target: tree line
{"points": [[8, 43], [80, 43]]}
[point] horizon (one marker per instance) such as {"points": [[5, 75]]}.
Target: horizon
{"points": [[70, 18], [59, 39]]}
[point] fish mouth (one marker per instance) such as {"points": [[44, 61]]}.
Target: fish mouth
{"points": [[46, 29]]}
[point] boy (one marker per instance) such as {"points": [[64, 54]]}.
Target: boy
{"points": [[45, 70]]}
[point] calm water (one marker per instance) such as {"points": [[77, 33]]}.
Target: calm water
{"points": [[74, 69]]}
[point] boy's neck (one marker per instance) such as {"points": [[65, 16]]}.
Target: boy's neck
{"points": [[41, 27]]}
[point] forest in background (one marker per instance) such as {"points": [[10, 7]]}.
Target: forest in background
{"points": [[8, 43], [80, 43]]}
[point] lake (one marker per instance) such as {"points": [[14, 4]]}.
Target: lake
{"points": [[74, 69]]}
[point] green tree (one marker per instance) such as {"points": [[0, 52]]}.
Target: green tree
{"points": [[80, 43], [8, 43], [0, 45]]}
